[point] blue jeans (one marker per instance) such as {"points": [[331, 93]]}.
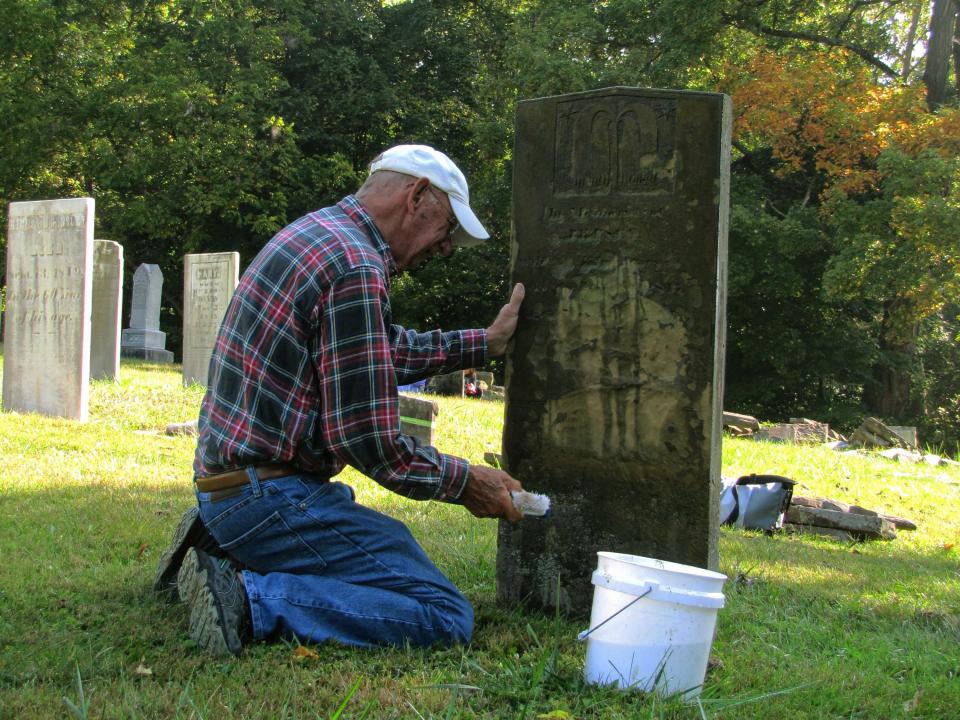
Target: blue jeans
{"points": [[321, 567]]}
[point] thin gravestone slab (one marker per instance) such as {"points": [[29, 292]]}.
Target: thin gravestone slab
{"points": [[209, 282], [105, 315], [614, 377], [49, 287]]}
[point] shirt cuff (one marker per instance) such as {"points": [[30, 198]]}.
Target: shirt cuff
{"points": [[454, 472], [470, 346]]}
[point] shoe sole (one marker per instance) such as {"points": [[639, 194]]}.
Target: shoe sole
{"points": [[189, 532], [206, 625]]}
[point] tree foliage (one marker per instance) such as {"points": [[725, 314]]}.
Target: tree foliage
{"points": [[204, 126]]}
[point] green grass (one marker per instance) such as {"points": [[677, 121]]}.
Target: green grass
{"points": [[812, 628]]}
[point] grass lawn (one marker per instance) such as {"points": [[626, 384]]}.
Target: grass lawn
{"points": [[811, 628]]}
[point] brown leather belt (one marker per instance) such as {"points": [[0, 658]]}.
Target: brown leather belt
{"points": [[239, 478]]}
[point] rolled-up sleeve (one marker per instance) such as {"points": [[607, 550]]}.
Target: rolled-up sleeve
{"points": [[358, 388]]}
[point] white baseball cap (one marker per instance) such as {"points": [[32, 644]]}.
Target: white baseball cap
{"points": [[423, 161]]}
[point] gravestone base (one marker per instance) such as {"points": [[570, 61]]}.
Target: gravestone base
{"points": [[145, 344], [149, 354]]}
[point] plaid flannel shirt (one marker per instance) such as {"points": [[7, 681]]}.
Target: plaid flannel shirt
{"points": [[307, 363]]}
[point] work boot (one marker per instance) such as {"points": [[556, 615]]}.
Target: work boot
{"points": [[190, 532], [219, 616]]}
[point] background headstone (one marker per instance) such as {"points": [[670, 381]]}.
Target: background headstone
{"points": [[106, 310], [144, 339], [486, 377], [417, 418], [614, 376], [448, 384], [209, 282], [907, 433], [47, 329]]}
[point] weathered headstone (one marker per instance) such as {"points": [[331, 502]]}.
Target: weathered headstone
{"points": [[47, 328], [416, 418], [105, 310], [485, 377], [449, 384], [907, 433], [209, 281], [614, 376], [144, 339]]}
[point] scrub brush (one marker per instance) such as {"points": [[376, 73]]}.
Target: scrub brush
{"points": [[531, 504]]}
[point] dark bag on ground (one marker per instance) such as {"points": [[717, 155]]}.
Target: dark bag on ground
{"points": [[755, 502]]}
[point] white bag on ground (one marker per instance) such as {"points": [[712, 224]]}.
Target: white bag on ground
{"points": [[755, 502]]}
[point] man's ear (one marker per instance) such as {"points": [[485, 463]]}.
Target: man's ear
{"points": [[416, 193]]}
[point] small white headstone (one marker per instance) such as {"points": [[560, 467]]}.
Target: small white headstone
{"points": [[49, 287], [209, 280], [105, 311], [144, 339]]}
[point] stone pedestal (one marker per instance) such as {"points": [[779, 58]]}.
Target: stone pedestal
{"points": [[614, 377], [145, 345]]}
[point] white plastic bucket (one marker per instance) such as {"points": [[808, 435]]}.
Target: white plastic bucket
{"points": [[652, 624]]}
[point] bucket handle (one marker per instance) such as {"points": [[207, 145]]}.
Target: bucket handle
{"points": [[650, 587], [714, 600]]}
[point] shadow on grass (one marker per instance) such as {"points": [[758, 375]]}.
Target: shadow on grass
{"points": [[79, 564]]}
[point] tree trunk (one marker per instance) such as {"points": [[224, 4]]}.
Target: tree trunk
{"points": [[936, 76], [906, 63], [956, 52], [890, 394]]}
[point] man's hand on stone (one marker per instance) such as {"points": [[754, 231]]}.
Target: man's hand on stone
{"points": [[500, 332], [487, 494]]}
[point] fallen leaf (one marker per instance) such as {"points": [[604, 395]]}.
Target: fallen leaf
{"points": [[914, 703], [948, 546], [302, 653], [141, 550], [142, 670]]}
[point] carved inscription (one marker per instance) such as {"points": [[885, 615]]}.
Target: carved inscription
{"points": [[619, 146], [210, 292], [43, 293]]}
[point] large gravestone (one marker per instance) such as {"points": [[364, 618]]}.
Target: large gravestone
{"points": [[49, 283], [614, 377], [143, 339], [105, 310], [209, 282]]}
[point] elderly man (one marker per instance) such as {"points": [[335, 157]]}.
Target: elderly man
{"points": [[303, 382]]}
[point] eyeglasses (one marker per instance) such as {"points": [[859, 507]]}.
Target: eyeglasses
{"points": [[452, 223]]}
